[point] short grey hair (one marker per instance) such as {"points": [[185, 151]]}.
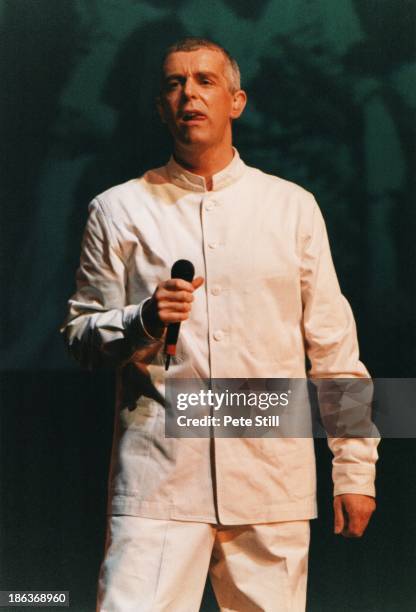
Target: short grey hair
{"points": [[192, 43]]}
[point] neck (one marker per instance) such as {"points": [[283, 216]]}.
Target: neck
{"points": [[204, 162]]}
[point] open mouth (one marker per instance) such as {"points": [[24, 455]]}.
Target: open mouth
{"points": [[189, 116]]}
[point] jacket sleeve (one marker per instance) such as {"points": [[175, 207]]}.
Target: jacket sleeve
{"points": [[332, 348], [100, 328]]}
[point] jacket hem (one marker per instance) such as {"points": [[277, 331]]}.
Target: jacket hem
{"points": [[295, 511]]}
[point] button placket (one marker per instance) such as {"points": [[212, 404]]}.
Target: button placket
{"points": [[214, 242]]}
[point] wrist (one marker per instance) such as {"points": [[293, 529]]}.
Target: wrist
{"points": [[150, 322]]}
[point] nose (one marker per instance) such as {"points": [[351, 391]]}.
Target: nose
{"points": [[189, 89]]}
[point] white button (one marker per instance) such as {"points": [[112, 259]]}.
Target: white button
{"points": [[209, 205], [218, 335], [216, 290], [212, 245]]}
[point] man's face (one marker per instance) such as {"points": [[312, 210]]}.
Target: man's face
{"points": [[196, 101]]}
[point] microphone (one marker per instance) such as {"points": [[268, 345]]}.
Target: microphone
{"points": [[181, 269]]}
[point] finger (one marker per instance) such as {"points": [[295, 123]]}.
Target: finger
{"points": [[177, 284], [197, 282], [174, 296], [173, 307], [338, 516], [357, 525], [174, 317], [352, 533]]}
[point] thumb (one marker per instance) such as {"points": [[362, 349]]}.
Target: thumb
{"points": [[197, 282], [338, 515]]}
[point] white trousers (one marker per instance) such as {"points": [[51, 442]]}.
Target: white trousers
{"points": [[154, 565]]}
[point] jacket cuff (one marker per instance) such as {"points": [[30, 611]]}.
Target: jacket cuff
{"points": [[357, 479], [133, 322]]}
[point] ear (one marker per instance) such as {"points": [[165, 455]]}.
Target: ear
{"points": [[160, 109], [238, 104]]}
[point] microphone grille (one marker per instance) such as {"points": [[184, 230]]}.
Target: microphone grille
{"points": [[183, 269]]}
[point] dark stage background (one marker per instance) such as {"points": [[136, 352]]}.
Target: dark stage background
{"points": [[332, 98]]}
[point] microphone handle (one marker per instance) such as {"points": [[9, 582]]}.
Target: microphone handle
{"points": [[182, 268], [172, 335]]}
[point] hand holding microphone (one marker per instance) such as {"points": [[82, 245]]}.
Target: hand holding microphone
{"points": [[171, 304]]}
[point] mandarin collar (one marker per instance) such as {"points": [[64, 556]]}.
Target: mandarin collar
{"points": [[187, 180]]}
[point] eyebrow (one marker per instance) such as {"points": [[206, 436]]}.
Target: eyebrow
{"points": [[201, 73]]}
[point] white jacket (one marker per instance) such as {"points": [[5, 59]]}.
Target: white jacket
{"points": [[270, 296]]}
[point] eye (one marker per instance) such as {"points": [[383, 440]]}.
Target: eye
{"points": [[204, 80], [170, 85]]}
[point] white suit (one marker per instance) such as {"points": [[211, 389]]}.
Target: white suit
{"points": [[270, 295]]}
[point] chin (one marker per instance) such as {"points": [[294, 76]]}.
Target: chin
{"points": [[193, 139]]}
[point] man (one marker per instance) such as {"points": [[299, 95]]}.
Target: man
{"points": [[265, 289]]}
